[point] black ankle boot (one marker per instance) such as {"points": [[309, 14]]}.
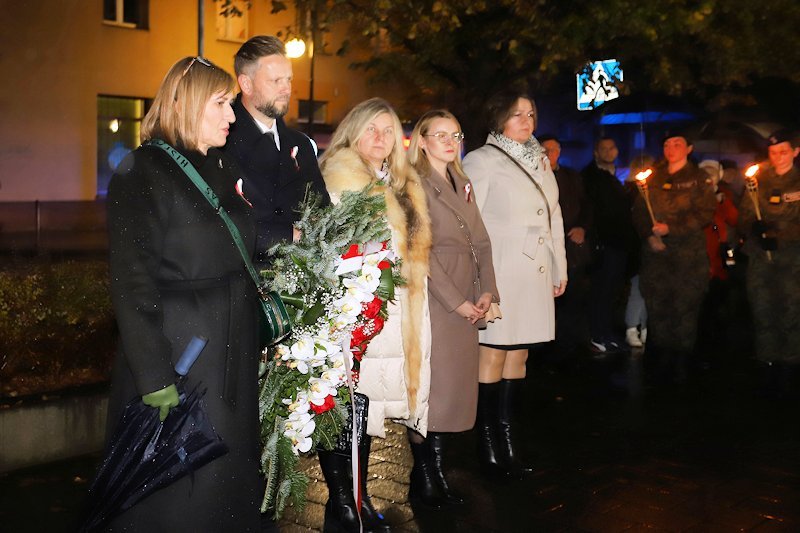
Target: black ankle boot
{"points": [[436, 450], [424, 489], [509, 394], [340, 511], [373, 520], [492, 463]]}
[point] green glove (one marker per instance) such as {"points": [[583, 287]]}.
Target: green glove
{"points": [[165, 399]]}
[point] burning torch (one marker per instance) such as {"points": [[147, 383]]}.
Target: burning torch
{"points": [[752, 191], [641, 183]]}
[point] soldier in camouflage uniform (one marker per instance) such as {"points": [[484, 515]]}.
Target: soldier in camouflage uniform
{"points": [[773, 285], [674, 271]]}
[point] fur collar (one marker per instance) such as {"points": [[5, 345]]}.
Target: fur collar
{"points": [[407, 214]]}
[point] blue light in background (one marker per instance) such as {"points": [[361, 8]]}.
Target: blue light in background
{"points": [[645, 117], [639, 140]]}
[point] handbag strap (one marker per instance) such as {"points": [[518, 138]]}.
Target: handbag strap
{"points": [[212, 198], [538, 187]]}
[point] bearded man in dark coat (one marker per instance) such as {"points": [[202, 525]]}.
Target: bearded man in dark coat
{"points": [[278, 163]]}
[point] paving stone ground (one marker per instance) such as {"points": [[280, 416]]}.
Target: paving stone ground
{"points": [[612, 453]]}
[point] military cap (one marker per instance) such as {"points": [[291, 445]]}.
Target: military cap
{"points": [[677, 132], [782, 136]]}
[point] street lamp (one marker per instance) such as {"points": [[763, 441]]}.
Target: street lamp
{"points": [[295, 48]]}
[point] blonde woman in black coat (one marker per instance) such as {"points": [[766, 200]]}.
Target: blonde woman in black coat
{"points": [[175, 274]]}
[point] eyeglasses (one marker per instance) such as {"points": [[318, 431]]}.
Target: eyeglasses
{"points": [[197, 59], [443, 137]]}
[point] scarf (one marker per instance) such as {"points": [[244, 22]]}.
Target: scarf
{"points": [[530, 153]]}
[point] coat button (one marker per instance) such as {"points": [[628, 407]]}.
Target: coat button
{"points": [[541, 240], [540, 212], [279, 211], [541, 269]]}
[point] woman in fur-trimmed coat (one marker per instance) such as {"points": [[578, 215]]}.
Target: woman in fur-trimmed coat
{"points": [[395, 371]]}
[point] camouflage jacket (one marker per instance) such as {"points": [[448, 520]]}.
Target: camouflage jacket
{"points": [[684, 201], [779, 203]]}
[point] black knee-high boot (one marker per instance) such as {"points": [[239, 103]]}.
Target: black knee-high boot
{"points": [[372, 519], [340, 511], [509, 394], [423, 488], [491, 460], [436, 449]]}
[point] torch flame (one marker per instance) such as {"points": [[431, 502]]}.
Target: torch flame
{"points": [[643, 175], [751, 171]]}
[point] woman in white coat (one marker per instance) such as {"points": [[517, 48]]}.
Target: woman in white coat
{"points": [[367, 149], [517, 194]]}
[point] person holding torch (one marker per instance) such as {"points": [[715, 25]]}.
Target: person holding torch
{"points": [[770, 225], [675, 204]]}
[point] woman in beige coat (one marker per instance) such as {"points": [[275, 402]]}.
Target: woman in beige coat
{"points": [[461, 288], [517, 194], [367, 149]]}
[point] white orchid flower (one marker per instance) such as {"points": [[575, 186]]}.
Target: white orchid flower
{"points": [[370, 278], [357, 289], [334, 375], [336, 360], [319, 389], [300, 405], [298, 428], [341, 322], [302, 352], [348, 305], [327, 348]]}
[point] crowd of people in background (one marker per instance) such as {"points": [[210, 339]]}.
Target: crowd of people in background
{"points": [[505, 251]]}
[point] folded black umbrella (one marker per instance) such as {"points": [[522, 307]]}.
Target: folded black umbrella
{"points": [[146, 455]]}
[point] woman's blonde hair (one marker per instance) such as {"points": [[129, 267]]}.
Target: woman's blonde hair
{"points": [[177, 110], [355, 124], [417, 156]]}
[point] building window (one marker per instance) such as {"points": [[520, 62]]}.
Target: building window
{"points": [[320, 111], [119, 122], [126, 13]]}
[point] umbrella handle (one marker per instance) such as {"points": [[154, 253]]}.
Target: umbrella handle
{"points": [[190, 355]]}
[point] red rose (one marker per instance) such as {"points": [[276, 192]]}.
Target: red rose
{"points": [[383, 265], [351, 252], [377, 325], [372, 309], [357, 337], [327, 405]]}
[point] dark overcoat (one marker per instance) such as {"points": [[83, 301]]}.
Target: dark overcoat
{"points": [[274, 181], [461, 269], [175, 273]]}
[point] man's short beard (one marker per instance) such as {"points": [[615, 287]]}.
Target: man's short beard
{"points": [[269, 110]]}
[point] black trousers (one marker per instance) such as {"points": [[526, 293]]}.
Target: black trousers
{"points": [[607, 284]]}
